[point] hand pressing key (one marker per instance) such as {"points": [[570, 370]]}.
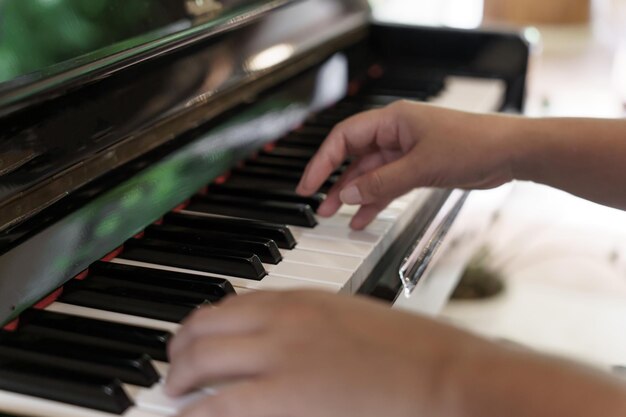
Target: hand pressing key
{"points": [[404, 146]]}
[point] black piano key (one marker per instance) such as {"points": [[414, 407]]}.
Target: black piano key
{"points": [[287, 164], [265, 249], [300, 141], [173, 282], [132, 368], [267, 195], [313, 131], [224, 262], [102, 394], [278, 162], [273, 211], [96, 333], [279, 233], [270, 173], [118, 298], [289, 153], [130, 287], [252, 178]]}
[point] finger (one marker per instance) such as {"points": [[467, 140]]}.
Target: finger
{"points": [[219, 321], [246, 399], [211, 360], [332, 202], [367, 163], [367, 214], [382, 184], [356, 136]]}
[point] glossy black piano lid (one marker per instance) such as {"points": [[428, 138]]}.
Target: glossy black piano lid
{"points": [[46, 45], [51, 149]]}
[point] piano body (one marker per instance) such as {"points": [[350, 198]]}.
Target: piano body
{"points": [[144, 177]]}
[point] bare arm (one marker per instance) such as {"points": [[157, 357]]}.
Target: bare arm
{"points": [[586, 157]]}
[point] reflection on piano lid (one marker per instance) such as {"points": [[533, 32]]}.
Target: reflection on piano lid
{"points": [[136, 194]]}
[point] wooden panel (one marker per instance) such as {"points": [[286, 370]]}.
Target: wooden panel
{"points": [[537, 11]]}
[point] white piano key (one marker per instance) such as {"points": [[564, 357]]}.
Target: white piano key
{"points": [[155, 400], [343, 221], [161, 367], [339, 233], [37, 407], [96, 314], [331, 260], [309, 272], [268, 283], [390, 214], [341, 247]]}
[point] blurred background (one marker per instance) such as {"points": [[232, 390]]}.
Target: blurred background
{"points": [[562, 260]]}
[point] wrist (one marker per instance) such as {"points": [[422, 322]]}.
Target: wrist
{"points": [[518, 145]]}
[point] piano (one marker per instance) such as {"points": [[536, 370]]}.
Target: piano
{"points": [[148, 156]]}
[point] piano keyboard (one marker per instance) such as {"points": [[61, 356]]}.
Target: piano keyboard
{"points": [[99, 349]]}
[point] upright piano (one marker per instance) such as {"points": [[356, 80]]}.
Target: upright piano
{"points": [[149, 152]]}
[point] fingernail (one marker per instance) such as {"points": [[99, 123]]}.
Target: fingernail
{"points": [[350, 195]]}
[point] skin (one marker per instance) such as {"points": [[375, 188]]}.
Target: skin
{"points": [[310, 354]]}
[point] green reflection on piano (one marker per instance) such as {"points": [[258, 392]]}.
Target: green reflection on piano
{"points": [[37, 34]]}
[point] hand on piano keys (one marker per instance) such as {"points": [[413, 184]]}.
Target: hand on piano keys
{"points": [[306, 354], [404, 146]]}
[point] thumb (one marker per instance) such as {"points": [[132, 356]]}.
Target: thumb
{"points": [[382, 184]]}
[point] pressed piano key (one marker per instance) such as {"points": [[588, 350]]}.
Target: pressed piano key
{"points": [[273, 211], [103, 297], [265, 249], [239, 264], [103, 394], [173, 283], [268, 195], [279, 233], [131, 368], [98, 333]]}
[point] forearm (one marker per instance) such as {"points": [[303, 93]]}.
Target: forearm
{"points": [[515, 384], [586, 157]]}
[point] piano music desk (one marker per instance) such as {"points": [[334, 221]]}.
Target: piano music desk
{"points": [[563, 258]]}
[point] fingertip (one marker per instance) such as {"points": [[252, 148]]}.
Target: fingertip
{"points": [[325, 211], [329, 207]]}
